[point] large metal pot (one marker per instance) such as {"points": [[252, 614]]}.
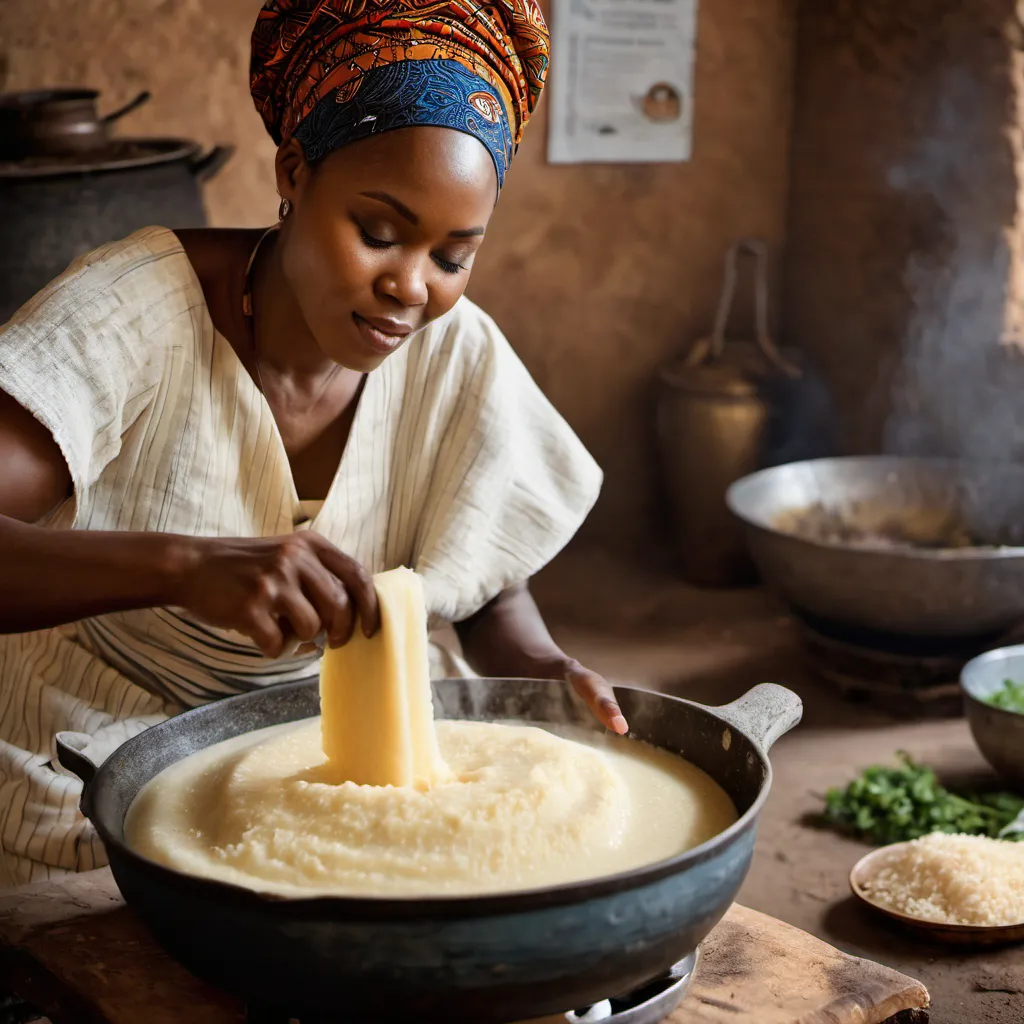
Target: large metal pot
{"points": [[53, 209], [464, 960], [898, 590]]}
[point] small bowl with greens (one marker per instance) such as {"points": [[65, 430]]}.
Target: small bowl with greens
{"points": [[993, 687]]}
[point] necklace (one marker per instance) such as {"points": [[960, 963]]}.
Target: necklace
{"points": [[247, 303], [247, 312]]}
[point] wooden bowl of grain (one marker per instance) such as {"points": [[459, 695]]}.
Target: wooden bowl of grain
{"points": [[961, 890]]}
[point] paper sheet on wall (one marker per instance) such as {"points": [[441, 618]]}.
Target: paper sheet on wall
{"points": [[621, 81]]}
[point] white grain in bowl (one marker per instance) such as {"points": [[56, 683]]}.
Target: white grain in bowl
{"points": [[953, 879]]}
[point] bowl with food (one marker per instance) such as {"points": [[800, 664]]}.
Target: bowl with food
{"points": [[948, 864], [911, 547], [964, 890], [993, 688]]}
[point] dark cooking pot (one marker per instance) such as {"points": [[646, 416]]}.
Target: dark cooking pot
{"points": [[460, 960], [52, 210], [56, 122]]}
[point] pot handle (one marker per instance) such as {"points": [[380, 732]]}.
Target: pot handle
{"points": [[711, 349], [70, 755], [144, 97], [764, 713], [210, 164]]}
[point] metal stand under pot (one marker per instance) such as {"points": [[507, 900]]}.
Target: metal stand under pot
{"points": [[650, 1004]]}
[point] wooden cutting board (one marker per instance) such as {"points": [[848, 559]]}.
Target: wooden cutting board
{"points": [[72, 948]]}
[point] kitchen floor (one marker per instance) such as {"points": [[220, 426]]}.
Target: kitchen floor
{"points": [[643, 627]]}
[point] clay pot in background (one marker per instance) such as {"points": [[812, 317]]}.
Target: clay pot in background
{"points": [[726, 409]]}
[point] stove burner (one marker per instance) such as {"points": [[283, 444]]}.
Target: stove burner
{"points": [[907, 676], [649, 1004]]}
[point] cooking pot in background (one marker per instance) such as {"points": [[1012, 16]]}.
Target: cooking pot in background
{"points": [[52, 211], [66, 187], [867, 583]]}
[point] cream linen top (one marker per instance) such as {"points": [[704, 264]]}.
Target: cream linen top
{"points": [[457, 466]]}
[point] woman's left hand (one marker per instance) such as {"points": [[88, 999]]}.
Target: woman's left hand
{"points": [[507, 637], [598, 694]]}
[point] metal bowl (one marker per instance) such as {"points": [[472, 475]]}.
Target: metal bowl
{"points": [[906, 591], [460, 960], [998, 732]]}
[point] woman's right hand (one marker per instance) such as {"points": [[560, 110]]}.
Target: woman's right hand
{"points": [[277, 589]]}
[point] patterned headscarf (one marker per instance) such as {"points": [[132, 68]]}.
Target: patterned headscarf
{"points": [[329, 72]]}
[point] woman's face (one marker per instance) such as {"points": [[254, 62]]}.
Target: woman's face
{"points": [[382, 235]]}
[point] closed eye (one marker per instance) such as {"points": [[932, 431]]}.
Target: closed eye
{"points": [[373, 242], [447, 266], [382, 243]]}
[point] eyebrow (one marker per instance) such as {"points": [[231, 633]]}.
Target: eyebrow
{"points": [[404, 212]]}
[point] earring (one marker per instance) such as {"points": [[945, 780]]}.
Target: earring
{"points": [[284, 209]]}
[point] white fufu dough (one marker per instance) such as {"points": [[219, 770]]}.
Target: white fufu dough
{"points": [[522, 808]]}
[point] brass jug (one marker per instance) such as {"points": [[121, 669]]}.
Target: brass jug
{"points": [[714, 408]]}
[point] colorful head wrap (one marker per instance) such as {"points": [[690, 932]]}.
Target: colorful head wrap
{"points": [[329, 72]]}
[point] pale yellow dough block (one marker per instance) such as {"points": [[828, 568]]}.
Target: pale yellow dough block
{"points": [[377, 718]]}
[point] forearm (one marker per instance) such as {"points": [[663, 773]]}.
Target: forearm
{"points": [[51, 577], [508, 638]]}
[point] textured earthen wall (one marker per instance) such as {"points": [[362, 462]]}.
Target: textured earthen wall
{"points": [[902, 236], [597, 274]]}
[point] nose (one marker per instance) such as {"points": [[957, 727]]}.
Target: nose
{"points": [[405, 283]]}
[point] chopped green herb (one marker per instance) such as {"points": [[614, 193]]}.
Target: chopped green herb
{"points": [[1010, 697], [891, 805]]}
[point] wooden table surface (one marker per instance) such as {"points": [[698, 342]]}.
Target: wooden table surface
{"points": [[72, 948]]}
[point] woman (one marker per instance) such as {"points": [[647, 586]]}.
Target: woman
{"points": [[177, 410]]}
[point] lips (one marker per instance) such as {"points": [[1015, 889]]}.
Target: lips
{"points": [[382, 334]]}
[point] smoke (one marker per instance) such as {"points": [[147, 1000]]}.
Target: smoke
{"points": [[959, 391]]}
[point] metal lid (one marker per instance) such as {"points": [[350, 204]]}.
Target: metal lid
{"points": [[118, 155], [32, 99]]}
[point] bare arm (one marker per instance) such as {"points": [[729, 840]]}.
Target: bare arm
{"points": [[48, 577], [508, 637], [265, 588]]}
